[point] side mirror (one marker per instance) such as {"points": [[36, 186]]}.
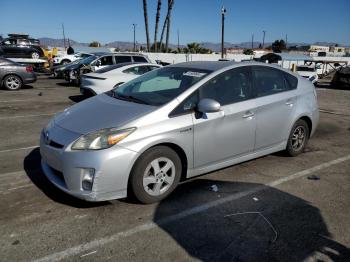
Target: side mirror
{"points": [[98, 63], [207, 105]]}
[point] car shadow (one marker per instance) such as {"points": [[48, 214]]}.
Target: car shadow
{"points": [[32, 167], [268, 225], [78, 98], [216, 220], [66, 84]]}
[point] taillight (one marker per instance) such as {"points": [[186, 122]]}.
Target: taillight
{"points": [[29, 69]]}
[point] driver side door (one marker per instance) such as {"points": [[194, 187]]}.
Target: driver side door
{"points": [[229, 133]]}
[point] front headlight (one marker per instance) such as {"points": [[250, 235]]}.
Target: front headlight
{"points": [[101, 139]]}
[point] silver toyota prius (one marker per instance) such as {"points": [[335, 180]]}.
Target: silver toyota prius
{"points": [[173, 123]]}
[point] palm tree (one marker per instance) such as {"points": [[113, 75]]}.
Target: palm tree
{"points": [[170, 2], [170, 7], [156, 27], [146, 22]]}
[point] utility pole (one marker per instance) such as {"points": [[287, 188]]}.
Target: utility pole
{"points": [[264, 32], [64, 37], [286, 40], [252, 41], [178, 40], [134, 25], [223, 12]]}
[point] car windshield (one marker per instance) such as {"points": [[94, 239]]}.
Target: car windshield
{"points": [[160, 86], [87, 60]]}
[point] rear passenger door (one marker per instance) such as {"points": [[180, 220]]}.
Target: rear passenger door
{"points": [[275, 93]]}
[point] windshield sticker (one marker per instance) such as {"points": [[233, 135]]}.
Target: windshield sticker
{"points": [[194, 74]]}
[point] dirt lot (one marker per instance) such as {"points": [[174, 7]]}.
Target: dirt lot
{"points": [[264, 210]]}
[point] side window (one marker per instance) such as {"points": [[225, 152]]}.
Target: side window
{"points": [[187, 105], [291, 81], [136, 70], [22, 42], [150, 68], [106, 60], [268, 81], [229, 87], [139, 59], [122, 59]]}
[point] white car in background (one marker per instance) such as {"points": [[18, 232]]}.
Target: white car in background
{"points": [[65, 59], [308, 72], [110, 77]]}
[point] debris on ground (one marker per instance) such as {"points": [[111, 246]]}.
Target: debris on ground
{"points": [[214, 188], [313, 177], [255, 199], [40, 94], [261, 215], [88, 254]]}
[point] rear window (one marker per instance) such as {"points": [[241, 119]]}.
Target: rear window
{"points": [[140, 59], [122, 59]]}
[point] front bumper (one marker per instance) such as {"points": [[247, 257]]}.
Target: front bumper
{"points": [[65, 169]]}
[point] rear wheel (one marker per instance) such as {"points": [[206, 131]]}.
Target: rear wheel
{"points": [[12, 82], [35, 55], [298, 138], [155, 174]]}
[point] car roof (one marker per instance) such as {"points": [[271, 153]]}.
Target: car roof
{"points": [[120, 65], [205, 65]]}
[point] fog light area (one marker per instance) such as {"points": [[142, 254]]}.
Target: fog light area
{"points": [[88, 178]]}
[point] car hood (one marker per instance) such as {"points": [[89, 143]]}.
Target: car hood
{"points": [[100, 112]]}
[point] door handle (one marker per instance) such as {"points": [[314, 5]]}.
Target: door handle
{"points": [[248, 114], [290, 103]]}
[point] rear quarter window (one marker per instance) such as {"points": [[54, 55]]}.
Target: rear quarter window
{"points": [[291, 81], [140, 59], [122, 59]]}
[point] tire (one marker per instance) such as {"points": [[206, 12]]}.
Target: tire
{"points": [[298, 138], [35, 55], [13, 82], [148, 185]]}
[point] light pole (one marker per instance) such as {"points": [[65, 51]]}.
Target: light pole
{"points": [[134, 25], [223, 12], [264, 32]]}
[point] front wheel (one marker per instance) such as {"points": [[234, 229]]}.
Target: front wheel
{"points": [[155, 174], [298, 138]]}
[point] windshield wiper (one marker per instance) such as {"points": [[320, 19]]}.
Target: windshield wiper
{"points": [[130, 98]]}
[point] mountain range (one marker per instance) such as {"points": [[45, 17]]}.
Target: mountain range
{"points": [[124, 45]]}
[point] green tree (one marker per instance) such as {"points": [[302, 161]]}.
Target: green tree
{"points": [[196, 48], [94, 44], [248, 51], [278, 46]]}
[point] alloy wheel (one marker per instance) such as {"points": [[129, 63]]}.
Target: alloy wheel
{"points": [[298, 138], [159, 176], [13, 83]]}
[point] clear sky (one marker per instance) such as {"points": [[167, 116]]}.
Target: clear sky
{"points": [[197, 20]]}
